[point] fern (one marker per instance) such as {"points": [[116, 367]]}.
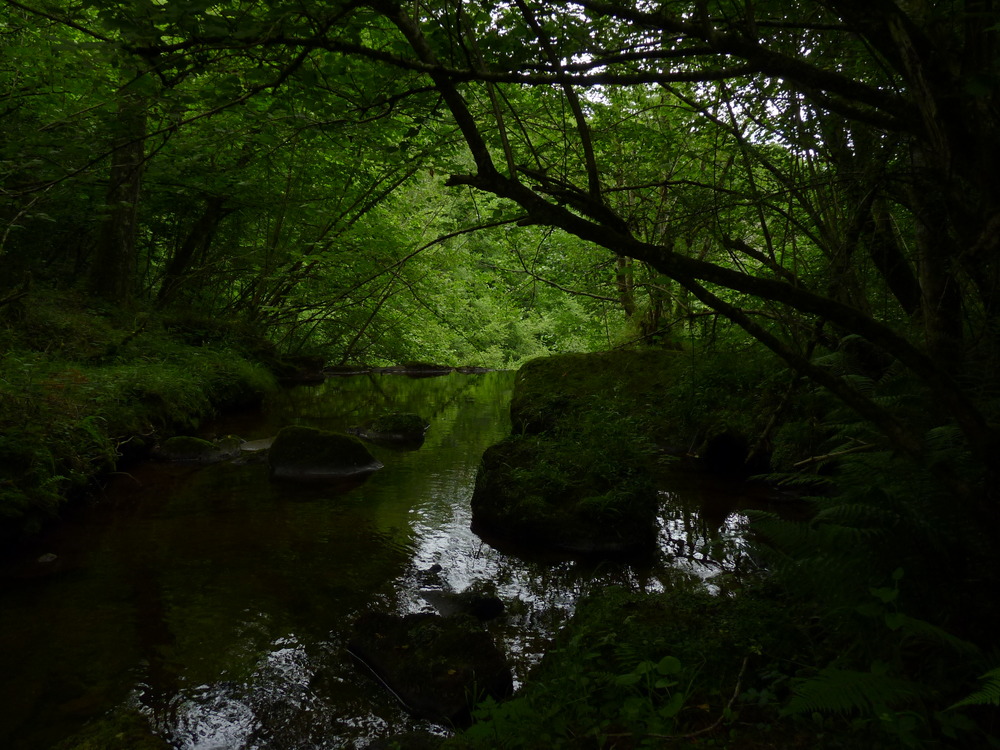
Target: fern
{"points": [[855, 515], [926, 632], [988, 694], [847, 691]]}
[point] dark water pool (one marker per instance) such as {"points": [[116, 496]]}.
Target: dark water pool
{"points": [[217, 603]]}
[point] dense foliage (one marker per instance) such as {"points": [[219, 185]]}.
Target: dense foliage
{"points": [[477, 183]]}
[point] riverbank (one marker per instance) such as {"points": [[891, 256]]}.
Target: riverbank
{"points": [[861, 627], [84, 388], [855, 626]]}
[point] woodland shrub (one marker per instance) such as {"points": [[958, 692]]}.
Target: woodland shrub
{"points": [[68, 409]]}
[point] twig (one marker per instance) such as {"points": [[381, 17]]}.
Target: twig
{"points": [[715, 724], [835, 454]]}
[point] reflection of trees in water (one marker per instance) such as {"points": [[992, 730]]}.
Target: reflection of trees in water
{"points": [[340, 402], [700, 538]]}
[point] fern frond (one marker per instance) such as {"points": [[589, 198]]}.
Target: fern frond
{"points": [[854, 515], [929, 633], [845, 691], [860, 383], [944, 436], [798, 479], [788, 537], [989, 693]]}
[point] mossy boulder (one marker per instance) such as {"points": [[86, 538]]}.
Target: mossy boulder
{"points": [[402, 430], [308, 454], [399, 423], [439, 667], [561, 495]]}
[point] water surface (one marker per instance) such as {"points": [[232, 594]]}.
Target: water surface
{"points": [[217, 603]]}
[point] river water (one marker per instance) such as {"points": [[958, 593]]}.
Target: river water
{"points": [[217, 603]]}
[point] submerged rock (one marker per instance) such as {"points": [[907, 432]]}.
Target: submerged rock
{"points": [[480, 602], [438, 667], [187, 448], [400, 430], [307, 454]]}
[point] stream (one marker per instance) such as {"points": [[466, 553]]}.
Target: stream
{"points": [[217, 603]]}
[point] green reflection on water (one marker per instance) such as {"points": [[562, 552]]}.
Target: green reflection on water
{"points": [[216, 600]]}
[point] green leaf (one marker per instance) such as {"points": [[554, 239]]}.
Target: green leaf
{"points": [[884, 594], [628, 679], [895, 620], [845, 691], [669, 665], [673, 706]]}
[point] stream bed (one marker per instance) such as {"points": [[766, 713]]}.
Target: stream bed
{"points": [[217, 603]]}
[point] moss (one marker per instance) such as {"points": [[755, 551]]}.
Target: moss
{"points": [[77, 386], [556, 390], [307, 453]]}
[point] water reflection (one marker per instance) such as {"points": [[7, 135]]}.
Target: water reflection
{"points": [[217, 602]]}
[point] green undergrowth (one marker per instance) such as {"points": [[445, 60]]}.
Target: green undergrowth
{"points": [[869, 623], [79, 386], [674, 398], [120, 730], [641, 670], [758, 668]]}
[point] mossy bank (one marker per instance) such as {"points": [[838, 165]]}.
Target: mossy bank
{"points": [[82, 387]]}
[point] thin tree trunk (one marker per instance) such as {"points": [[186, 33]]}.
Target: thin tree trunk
{"points": [[113, 265], [198, 238]]}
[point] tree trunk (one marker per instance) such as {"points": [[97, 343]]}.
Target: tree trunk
{"points": [[113, 266], [198, 238]]}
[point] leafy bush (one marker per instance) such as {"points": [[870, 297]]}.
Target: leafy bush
{"points": [[75, 386], [638, 670]]}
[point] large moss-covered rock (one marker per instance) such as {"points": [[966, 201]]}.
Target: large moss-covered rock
{"points": [[308, 454], [558, 494], [439, 667]]}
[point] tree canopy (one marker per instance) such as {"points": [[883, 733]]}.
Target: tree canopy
{"points": [[823, 175]]}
